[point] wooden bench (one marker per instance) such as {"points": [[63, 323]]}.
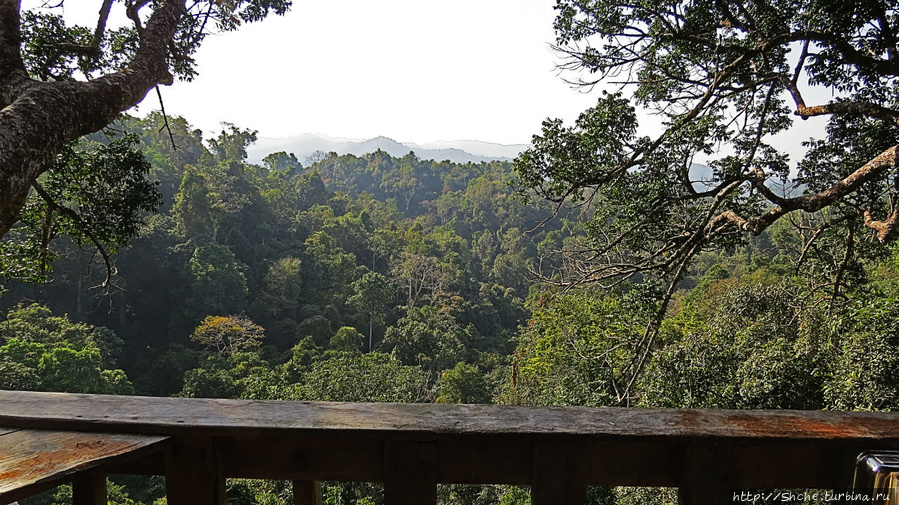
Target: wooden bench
{"points": [[32, 461]]}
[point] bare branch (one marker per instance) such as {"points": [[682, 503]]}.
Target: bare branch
{"points": [[165, 119], [133, 13], [101, 23]]}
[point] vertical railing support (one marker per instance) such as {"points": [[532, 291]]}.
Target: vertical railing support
{"points": [[559, 475], [89, 489], [193, 473], [307, 493], [705, 477], [410, 473]]}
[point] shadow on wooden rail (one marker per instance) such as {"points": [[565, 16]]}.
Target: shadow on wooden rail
{"points": [[558, 451]]}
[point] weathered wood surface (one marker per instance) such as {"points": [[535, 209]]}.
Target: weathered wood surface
{"points": [[34, 460], [193, 473], [560, 474], [410, 473], [168, 416]]}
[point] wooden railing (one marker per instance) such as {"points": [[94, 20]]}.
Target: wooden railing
{"points": [[559, 452]]}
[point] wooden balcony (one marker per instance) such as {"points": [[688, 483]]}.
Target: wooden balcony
{"points": [[50, 438]]}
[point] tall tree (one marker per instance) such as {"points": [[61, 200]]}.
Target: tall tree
{"points": [[725, 77], [43, 106], [372, 297]]}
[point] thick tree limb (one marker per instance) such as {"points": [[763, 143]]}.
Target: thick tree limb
{"points": [[813, 203], [10, 38], [41, 117], [860, 108], [886, 229]]}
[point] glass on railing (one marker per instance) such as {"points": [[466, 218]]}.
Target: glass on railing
{"points": [[876, 480]]}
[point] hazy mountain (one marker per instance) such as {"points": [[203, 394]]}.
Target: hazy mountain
{"points": [[477, 148], [462, 151]]}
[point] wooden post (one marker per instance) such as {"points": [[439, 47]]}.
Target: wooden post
{"points": [[193, 473], [307, 493], [89, 489], [410, 473], [559, 475], [705, 478]]}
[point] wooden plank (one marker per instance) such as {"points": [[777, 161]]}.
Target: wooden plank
{"points": [[796, 466], [153, 464], [410, 473], [193, 473], [473, 460], [34, 460], [227, 417], [307, 493], [560, 471], [650, 464], [707, 476], [303, 457], [89, 489]]}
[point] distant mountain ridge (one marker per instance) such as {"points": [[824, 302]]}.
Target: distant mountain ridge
{"points": [[461, 151]]}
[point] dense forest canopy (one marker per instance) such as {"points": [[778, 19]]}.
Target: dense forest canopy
{"points": [[429, 261], [376, 278]]}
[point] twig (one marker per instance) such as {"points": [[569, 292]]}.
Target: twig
{"points": [[165, 119]]}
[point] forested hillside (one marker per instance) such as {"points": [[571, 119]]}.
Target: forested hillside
{"points": [[298, 269], [375, 278]]}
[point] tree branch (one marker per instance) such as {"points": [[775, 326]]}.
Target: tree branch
{"points": [[101, 23], [83, 225], [861, 108], [10, 38], [12, 68]]}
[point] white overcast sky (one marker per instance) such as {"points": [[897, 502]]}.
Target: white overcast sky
{"points": [[412, 70]]}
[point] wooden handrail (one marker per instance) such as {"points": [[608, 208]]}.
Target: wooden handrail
{"points": [[559, 451]]}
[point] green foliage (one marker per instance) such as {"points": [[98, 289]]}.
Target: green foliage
{"points": [[347, 340], [462, 384], [41, 352], [723, 80], [561, 158], [228, 376], [864, 376], [428, 337], [197, 208], [576, 350], [55, 51], [753, 351], [373, 377], [218, 285], [116, 494]]}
